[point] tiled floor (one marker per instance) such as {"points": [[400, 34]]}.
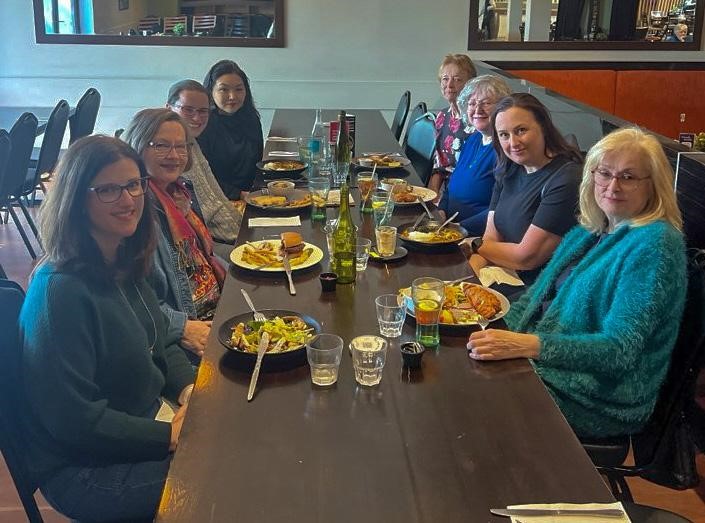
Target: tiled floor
{"points": [[18, 264]]}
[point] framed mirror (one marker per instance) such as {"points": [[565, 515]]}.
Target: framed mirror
{"points": [[663, 25], [223, 23]]}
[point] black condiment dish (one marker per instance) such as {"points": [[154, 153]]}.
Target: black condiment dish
{"points": [[411, 354], [328, 281]]}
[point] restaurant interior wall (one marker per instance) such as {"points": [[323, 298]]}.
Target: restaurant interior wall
{"points": [[360, 54]]}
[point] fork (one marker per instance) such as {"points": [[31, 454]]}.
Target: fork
{"points": [[482, 321], [258, 315]]}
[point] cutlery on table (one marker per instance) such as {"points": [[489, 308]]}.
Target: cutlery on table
{"points": [[417, 222], [468, 277], [425, 207], [593, 512], [280, 139], [287, 268], [261, 349], [258, 315], [446, 222]]}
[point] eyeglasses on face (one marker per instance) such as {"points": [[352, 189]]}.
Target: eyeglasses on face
{"points": [[111, 192], [626, 180], [162, 149], [189, 111], [482, 104]]}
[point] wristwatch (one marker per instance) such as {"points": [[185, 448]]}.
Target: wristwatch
{"points": [[475, 244]]}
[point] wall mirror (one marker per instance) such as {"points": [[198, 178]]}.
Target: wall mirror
{"points": [[224, 23], [586, 24]]}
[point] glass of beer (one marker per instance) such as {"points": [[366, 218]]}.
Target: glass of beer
{"points": [[386, 236], [319, 187], [428, 296]]}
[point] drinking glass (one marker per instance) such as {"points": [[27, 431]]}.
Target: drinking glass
{"points": [[366, 182], [382, 207], [386, 236], [391, 312], [362, 253], [428, 296], [369, 355], [319, 187], [323, 353], [329, 229], [304, 148]]}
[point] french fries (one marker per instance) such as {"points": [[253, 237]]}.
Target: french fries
{"points": [[267, 253]]}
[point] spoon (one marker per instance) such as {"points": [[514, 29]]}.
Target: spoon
{"points": [[446, 222], [425, 207]]}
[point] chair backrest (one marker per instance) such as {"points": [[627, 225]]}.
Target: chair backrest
{"points": [[22, 136], [261, 25], [417, 112], [401, 114], [11, 439], [655, 445], [82, 122], [150, 24], [237, 24], [421, 141], [203, 24], [51, 145], [171, 21], [5, 148]]}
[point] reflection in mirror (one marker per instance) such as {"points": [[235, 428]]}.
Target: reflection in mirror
{"points": [[157, 22], [587, 20]]}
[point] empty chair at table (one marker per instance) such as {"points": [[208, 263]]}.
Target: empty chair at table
{"points": [[419, 110], [82, 121], [171, 23], [400, 115], [150, 25], [420, 144], [203, 25]]}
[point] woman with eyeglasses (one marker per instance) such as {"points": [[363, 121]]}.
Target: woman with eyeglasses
{"points": [[470, 185], [232, 141], [189, 99], [535, 197], [187, 276], [97, 352], [601, 320]]}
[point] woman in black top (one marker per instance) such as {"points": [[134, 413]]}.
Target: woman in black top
{"points": [[232, 142], [535, 197]]}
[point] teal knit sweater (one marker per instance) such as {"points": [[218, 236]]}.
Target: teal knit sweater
{"points": [[90, 379], [607, 336]]}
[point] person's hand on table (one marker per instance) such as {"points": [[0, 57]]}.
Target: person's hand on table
{"points": [[496, 344], [176, 424], [239, 205], [196, 335]]}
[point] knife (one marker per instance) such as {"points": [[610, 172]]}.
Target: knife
{"points": [[594, 512], [287, 268], [261, 349]]}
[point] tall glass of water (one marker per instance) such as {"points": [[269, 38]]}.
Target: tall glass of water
{"points": [[428, 296]]}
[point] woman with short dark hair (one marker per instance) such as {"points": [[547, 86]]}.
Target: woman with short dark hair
{"points": [[97, 355], [232, 141]]}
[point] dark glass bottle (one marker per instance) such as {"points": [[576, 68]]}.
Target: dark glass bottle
{"points": [[344, 239]]}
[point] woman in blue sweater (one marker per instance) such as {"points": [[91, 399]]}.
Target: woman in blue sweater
{"points": [[469, 189], [97, 356], [601, 320]]}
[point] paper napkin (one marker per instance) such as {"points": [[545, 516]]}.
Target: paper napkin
{"points": [[334, 198], [491, 274], [568, 518], [287, 221]]}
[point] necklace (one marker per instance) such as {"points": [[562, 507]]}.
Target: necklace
{"points": [[154, 325]]}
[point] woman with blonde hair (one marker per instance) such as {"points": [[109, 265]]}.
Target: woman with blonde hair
{"points": [[601, 320]]}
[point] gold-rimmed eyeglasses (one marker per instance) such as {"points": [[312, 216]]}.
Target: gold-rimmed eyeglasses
{"points": [[626, 180], [162, 149], [481, 104], [111, 192]]}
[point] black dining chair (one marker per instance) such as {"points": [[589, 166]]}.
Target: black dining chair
{"points": [[5, 148], [12, 441], [420, 144], [82, 121], [22, 137], [664, 452], [401, 114], [417, 112]]}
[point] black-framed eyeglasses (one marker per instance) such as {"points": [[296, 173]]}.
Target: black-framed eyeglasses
{"points": [[111, 192], [626, 180], [162, 149], [192, 111]]}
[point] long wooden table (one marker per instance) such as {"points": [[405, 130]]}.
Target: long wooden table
{"points": [[444, 443]]}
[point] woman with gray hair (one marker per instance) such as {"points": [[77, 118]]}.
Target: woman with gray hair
{"points": [[470, 186]]}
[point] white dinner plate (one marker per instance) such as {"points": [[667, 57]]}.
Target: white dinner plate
{"points": [[236, 257]]}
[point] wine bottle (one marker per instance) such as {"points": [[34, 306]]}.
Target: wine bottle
{"points": [[342, 150], [317, 132], [344, 238]]}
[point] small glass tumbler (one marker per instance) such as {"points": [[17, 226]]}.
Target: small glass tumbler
{"points": [[391, 313], [324, 353], [369, 354], [382, 207], [362, 253], [386, 237], [428, 296], [329, 229], [319, 187]]}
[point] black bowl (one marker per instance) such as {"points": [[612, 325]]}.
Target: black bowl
{"points": [[445, 246], [270, 362], [272, 174]]}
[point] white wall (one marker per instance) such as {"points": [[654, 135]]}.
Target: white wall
{"points": [[352, 54]]}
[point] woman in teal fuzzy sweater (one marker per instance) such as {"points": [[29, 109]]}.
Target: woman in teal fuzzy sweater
{"points": [[601, 320]]}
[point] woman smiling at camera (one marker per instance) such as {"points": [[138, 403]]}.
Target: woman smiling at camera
{"points": [[232, 141], [602, 318], [97, 353], [187, 276], [535, 197]]}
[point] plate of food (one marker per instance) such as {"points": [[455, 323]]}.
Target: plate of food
{"points": [[464, 303], [288, 331], [264, 199], [265, 255], [405, 195], [284, 168], [424, 236], [384, 161]]}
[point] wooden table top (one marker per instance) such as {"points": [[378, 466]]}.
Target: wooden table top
{"points": [[442, 443]]}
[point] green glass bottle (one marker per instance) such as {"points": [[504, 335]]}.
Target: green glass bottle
{"points": [[344, 239]]}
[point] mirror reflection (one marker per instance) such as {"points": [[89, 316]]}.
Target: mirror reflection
{"points": [[587, 20]]}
